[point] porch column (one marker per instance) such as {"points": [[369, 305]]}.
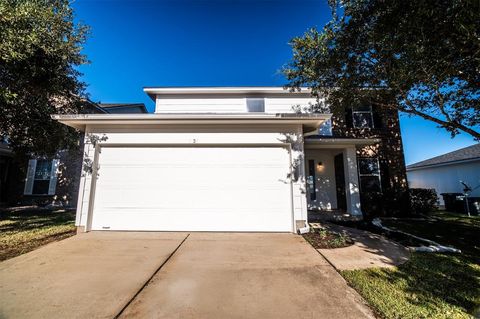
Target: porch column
{"points": [[351, 181]]}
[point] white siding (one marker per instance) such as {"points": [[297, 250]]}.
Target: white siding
{"points": [[199, 104], [445, 179], [287, 104], [228, 104]]}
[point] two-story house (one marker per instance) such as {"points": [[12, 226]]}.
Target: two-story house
{"points": [[235, 159]]}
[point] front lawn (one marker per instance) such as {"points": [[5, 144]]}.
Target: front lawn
{"points": [[459, 231], [428, 285], [23, 231]]}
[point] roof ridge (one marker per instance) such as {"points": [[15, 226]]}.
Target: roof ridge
{"points": [[464, 153]]}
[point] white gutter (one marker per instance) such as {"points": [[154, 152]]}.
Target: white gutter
{"points": [[154, 91], [312, 143], [79, 121]]}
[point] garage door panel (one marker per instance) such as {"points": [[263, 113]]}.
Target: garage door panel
{"points": [[216, 189], [200, 220]]}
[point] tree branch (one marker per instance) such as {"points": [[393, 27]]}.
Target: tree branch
{"points": [[451, 125]]}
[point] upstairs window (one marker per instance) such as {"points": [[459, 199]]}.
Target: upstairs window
{"points": [[362, 116], [255, 105]]}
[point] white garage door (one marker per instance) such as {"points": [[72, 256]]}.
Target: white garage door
{"points": [[193, 189]]}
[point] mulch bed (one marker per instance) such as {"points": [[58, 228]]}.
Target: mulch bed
{"points": [[325, 239]]}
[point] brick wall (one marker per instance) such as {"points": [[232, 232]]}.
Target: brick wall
{"points": [[393, 200]]}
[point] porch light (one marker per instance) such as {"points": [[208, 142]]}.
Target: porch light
{"points": [[320, 165]]}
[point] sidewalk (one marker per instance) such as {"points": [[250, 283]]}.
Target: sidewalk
{"points": [[370, 250]]}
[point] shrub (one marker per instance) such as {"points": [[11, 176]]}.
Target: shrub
{"points": [[423, 200], [322, 238]]}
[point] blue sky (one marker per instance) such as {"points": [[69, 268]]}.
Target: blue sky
{"points": [[210, 43]]}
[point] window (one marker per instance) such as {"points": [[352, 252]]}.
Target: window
{"points": [[255, 105], [311, 180], [326, 128], [362, 116], [369, 173], [41, 177]]}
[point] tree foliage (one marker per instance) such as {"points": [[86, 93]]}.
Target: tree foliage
{"points": [[420, 57], [40, 49]]}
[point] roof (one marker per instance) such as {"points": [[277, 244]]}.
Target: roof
{"points": [[464, 154], [123, 107], [153, 91]]}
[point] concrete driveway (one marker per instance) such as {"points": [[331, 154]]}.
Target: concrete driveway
{"points": [[176, 275]]}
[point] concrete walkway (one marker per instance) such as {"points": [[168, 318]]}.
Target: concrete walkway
{"points": [[206, 275], [370, 250]]}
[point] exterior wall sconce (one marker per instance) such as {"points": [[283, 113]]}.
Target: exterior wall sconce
{"points": [[320, 166]]}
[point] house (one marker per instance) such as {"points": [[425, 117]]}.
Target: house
{"points": [[47, 181], [444, 173], [236, 159]]}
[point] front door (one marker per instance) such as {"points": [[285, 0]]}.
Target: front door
{"points": [[340, 182]]}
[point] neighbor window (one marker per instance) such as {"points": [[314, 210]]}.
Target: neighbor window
{"points": [[255, 105], [362, 116], [369, 173], [41, 177]]}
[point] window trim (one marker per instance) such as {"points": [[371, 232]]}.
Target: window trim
{"points": [[363, 112]]}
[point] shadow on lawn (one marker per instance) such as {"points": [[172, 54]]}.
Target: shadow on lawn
{"points": [[16, 221], [439, 278], [436, 283], [458, 234]]}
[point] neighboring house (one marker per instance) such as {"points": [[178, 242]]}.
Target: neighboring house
{"points": [[236, 159], [7, 171], [444, 173], [53, 181], [123, 108]]}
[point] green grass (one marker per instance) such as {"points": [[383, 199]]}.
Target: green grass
{"points": [[23, 231], [428, 285]]}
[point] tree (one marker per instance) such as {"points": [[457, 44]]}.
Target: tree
{"points": [[40, 49], [419, 57]]}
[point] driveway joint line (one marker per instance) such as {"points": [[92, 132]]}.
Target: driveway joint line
{"points": [[149, 279]]}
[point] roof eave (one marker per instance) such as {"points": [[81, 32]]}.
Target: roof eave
{"points": [[468, 160], [154, 91], [339, 142], [80, 121]]}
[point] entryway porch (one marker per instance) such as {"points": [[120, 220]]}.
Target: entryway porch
{"points": [[333, 190]]}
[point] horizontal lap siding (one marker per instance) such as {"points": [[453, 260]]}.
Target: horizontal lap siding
{"points": [[203, 189]]}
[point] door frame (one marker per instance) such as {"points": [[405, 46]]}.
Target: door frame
{"points": [[98, 151]]}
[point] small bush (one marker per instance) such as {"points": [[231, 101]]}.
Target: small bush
{"points": [[423, 200], [322, 238]]}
